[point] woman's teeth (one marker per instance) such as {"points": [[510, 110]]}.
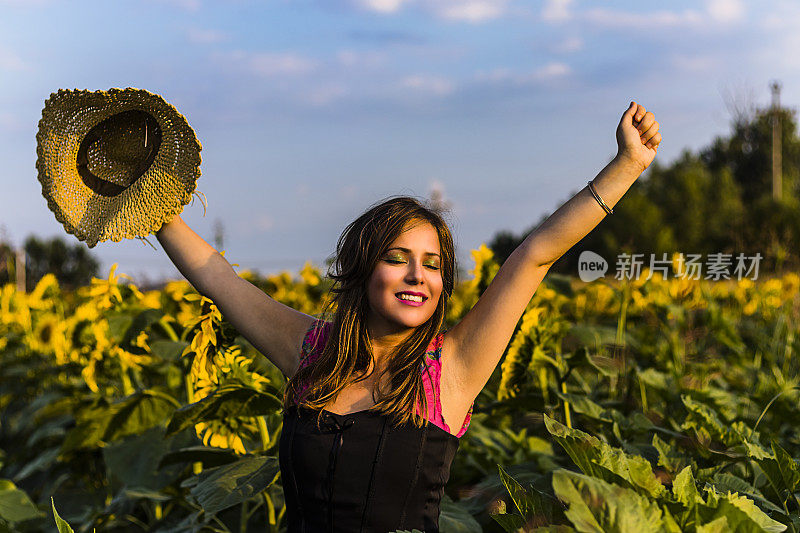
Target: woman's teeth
{"points": [[409, 297]]}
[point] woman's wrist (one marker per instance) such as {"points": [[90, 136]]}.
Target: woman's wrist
{"points": [[628, 165]]}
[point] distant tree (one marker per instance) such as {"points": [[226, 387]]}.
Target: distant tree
{"points": [[73, 265], [747, 153]]}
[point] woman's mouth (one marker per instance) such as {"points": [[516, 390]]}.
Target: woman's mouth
{"points": [[411, 299]]}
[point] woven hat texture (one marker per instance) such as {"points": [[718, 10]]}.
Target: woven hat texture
{"points": [[115, 164]]}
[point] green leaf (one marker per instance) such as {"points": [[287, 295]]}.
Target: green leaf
{"points": [[226, 402], [15, 505], [704, 419], [529, 503], [685, 490], [511, 523], [141, 322], [597, 506], [225, 486], [583, 405], [453, 518], [168, 350], [720, 525], [61, 524], [669, 457], [741, 513], [595, 458], [780, 469], [118, 324], [208, 455], [132, 415], [134, 461]]}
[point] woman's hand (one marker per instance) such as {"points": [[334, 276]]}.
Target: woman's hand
{"points": [[638, 136]]}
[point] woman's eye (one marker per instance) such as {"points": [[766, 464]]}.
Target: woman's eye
{"points": [[394, 260], [432, 267]]}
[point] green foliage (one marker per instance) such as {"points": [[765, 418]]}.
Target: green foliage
{"points": [[648, 405]]}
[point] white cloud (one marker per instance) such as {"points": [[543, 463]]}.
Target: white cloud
{"points": [[716, 12], [205, 36], [569, 45], [548, 72], [382, 6], [351, 58], [429, 84], [457, 10], [620, 19], [469, 10], [269, 64], [726, 10], [556, 10]]}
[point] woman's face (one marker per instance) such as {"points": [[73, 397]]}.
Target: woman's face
{"points": [[406, 284]]}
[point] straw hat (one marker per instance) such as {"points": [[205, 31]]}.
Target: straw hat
{"points": [[115, 164]]}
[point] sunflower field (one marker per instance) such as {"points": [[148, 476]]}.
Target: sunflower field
{"points": [[619, 406]]}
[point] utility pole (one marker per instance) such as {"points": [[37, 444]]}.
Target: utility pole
{"points": [[777, 178], [437, 201], [20, 270], [219, 234]]}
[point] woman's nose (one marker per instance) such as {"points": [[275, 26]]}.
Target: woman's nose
{"points": [[414, 271]]}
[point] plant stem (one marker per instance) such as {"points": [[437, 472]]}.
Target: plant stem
{"points": [[264, 432]]}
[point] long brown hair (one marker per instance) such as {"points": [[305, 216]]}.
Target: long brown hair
{"points": [[347, 353]]}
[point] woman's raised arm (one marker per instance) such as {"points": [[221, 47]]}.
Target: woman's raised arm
{"points": [[474, 346], [273, 328]]}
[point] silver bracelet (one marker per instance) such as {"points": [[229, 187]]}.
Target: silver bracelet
{"points": [[599, 200]]}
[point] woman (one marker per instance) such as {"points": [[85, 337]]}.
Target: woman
{"points": [[356, 451]]}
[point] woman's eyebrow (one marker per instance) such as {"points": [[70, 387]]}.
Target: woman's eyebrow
{"points": [[406, 250]]}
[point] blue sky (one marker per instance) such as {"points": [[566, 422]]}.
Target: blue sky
{"points": [[309, 111]]}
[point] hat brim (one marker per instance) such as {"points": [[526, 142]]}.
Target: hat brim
{"points": [[142, 208]]}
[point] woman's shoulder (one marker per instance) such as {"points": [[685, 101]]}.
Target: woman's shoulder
{"points": [[434, 350], [314, 341]]}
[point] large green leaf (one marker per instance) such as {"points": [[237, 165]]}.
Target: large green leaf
{"points": [[685, 490], [599, 507], [453, 518], [225, 402], [531, 506], [741, 513], [596, 458], [15, 505], [132, 415], [780, 470], [225, 486], [720, 525], [134, 461], [208, 455]]}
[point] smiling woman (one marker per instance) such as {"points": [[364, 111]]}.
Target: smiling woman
{"points": [[374, 383]]}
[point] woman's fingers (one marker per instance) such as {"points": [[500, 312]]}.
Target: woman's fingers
{"points": [[649, 132], [639, 114], [654, 141], [645, 122]]}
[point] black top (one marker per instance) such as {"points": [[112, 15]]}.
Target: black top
{"points": [[360, 473]]}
